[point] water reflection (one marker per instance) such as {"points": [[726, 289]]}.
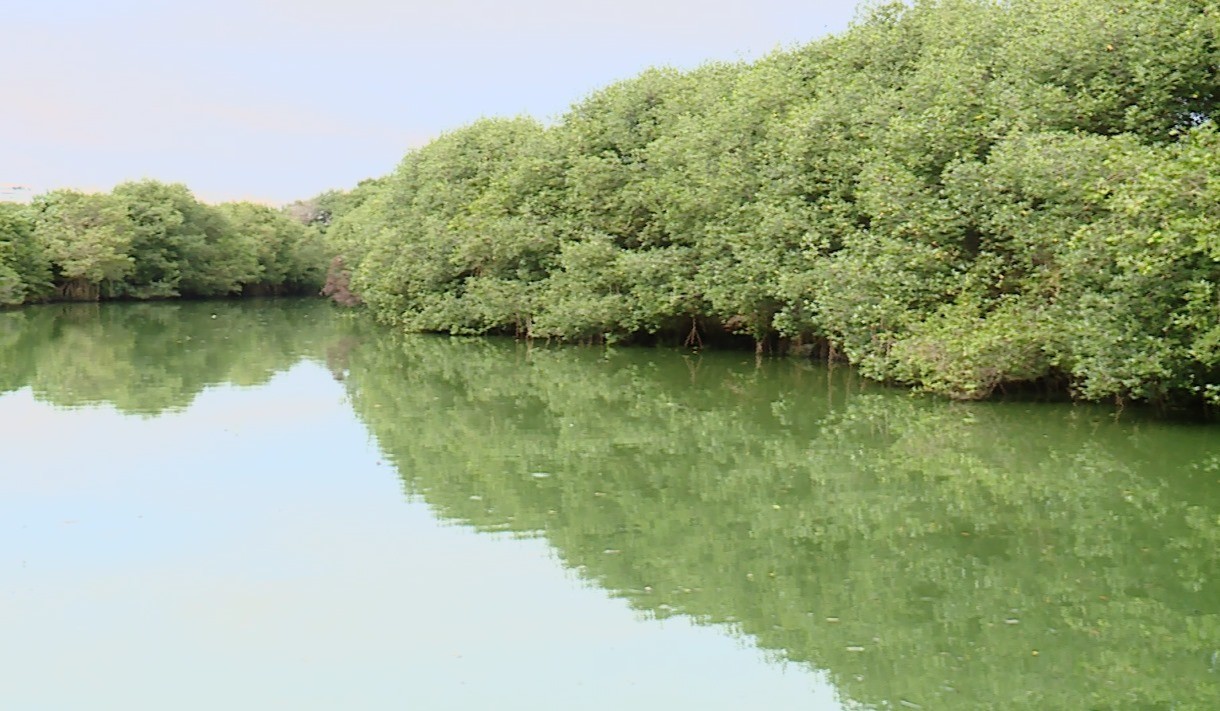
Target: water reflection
{"points": [[151, 357], [923, 554]]}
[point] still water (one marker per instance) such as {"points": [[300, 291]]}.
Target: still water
{"points": [[264, 505]]}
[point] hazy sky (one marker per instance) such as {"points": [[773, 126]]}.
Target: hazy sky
{"points": [[276, 100]]}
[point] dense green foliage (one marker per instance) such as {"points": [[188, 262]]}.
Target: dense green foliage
{"points": [[952, 556], [958, 194], [25, 273], [148, 240]]}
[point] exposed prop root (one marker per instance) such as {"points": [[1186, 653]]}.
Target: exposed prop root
{"points": [[693, 339]]}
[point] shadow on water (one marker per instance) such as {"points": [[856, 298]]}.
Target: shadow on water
{"points": [[926, 554]]}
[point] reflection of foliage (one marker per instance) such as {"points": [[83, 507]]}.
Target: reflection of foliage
{"points": [[919, 551], [149, 357], [950, 556]]}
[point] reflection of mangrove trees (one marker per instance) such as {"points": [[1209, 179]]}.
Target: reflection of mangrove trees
{"points": [[954, 557], [149, 357]]}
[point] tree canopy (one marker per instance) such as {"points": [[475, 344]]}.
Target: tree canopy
{"points": [[957, 194], [150, 240]]}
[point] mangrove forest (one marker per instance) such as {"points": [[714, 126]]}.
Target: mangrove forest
{"points": [[964, 196]]}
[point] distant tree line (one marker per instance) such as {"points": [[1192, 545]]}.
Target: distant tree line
{"points": [[956, 194], [151, 240]]}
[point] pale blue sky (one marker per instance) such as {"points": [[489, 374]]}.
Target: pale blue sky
{"points": [[276, 100]]}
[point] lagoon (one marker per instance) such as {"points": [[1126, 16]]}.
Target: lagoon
{"points": [[268, 504]]}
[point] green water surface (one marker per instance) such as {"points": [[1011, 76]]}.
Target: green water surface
{"points": [[268, 505]]}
